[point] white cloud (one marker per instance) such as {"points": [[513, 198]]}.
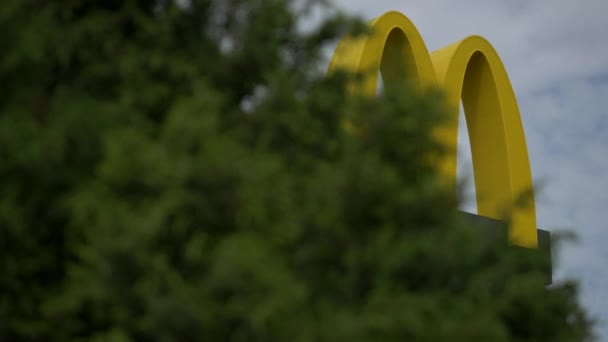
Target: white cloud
{"points": [[557, 58]]}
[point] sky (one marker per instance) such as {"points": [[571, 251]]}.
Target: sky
{"points": [[556, 55]]}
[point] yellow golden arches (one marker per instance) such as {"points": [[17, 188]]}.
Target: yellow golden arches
{"points": [[472, 71]]}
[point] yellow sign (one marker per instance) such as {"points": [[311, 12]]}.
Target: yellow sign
{"points": [[470, 70]]}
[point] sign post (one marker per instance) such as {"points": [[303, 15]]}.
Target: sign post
{"points": [[469, 70]]}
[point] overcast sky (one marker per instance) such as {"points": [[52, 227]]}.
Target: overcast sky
{"points": [[556, 54]]}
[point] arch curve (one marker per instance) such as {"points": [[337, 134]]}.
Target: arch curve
{"points": [[393, 35]]}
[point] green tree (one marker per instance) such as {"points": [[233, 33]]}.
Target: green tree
{"points": [[175, 170]]}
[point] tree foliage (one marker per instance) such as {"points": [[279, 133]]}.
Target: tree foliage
{"points": [[175, 170]]}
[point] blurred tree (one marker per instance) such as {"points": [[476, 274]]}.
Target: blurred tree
{"points": [[181, 171]]}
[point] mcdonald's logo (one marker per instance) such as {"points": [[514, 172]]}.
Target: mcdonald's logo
{"points": [[469, 70]]}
